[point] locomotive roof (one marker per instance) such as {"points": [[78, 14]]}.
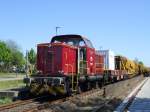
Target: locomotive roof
{"points": [[87, 41], [70, 36]]}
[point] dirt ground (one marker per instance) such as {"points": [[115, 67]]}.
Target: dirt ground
{"points": [[115, 93]]}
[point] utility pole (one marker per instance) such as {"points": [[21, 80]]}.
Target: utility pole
{"points": [[57, 27]]}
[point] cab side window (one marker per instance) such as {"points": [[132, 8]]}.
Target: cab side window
{"points": [[81, 43]]}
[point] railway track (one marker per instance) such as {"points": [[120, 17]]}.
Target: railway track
{"points": [[81, 96], [33, 105], [114, 94], [19, 103]]}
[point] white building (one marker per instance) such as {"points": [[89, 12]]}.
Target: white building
{"points": [[109, 59]]}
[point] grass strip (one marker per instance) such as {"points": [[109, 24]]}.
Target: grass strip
{"points": [[11, 84]]}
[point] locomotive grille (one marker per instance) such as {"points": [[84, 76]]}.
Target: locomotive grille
{"points": [[49, 61]]}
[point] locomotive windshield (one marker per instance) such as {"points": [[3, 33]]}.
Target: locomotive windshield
{"points": [[73, 40]]}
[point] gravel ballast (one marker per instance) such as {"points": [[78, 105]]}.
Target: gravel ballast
{"points": [[115, 94]]}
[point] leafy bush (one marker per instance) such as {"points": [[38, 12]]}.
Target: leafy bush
{"points": [[5, 100]]}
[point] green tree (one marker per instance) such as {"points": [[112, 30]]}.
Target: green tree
{"points": [[17, 56], [10, 55], [141, 63], [32, 56], [18, 59], [5, 56], [32, 61]]}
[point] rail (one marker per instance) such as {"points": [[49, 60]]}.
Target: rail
{"points": [[19, 103], [52, 102], [84, 95]]}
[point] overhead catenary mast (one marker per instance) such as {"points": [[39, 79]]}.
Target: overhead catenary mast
{"points": [[57, 27]]}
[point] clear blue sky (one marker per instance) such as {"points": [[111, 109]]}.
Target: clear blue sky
{"points": [[120, 25]]}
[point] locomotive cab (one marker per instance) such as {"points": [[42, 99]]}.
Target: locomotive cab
{"points": [[85, 52]]}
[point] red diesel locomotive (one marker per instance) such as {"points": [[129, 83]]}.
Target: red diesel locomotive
{"points": [[69, 63]]}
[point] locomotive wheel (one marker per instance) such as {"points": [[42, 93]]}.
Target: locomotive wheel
{"points": [[97, 86], [83, 86], [79, 89], [113, 80], [100, 85], [89, 86], [93, 85]]}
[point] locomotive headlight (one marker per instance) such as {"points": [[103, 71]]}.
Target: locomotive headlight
{"points": [[91, 58], [61, 71], [91, 64]]}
